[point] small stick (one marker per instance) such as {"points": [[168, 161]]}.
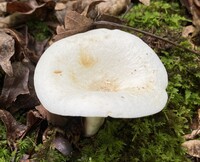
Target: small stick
{"points": [[112, 24]]}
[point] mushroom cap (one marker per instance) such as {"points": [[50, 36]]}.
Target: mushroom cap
{"points": [[101, 73]]}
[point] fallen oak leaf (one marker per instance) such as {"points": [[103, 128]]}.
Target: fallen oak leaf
{"points": [[62, 144], [33, 119], [90, 10], [18, 6], [35, 49], [56, 120], [193, 6], [14, 130], [73, 126], [187, 31], [74, 20], [74, 23], [27, 101], [19, 15], [3, 7], [145, 2], [26, 46], [192, 147], [20, 43], [15, 34], [7, 50], [193, 134], [113, 7], [27, 7], [15, 85]]}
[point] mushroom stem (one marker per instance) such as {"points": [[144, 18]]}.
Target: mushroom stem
{"points": [[92, 125]]}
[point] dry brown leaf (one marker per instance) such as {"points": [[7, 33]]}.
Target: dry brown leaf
{"points": [[60, 6], [192, 147], [14, 130], [15, 85], [62, 144], [26, 101], [34, 49], [20, 43], [194, 8], [192, 135], [90, 10], [54, 119], [27, 7], [113, 7], [19, 6], [74, 20], [60, 29], [74, 23], [188, 30], [73, 5], [3, 6], [32, 117], [22, 11], [7, 50], [145, 2]]}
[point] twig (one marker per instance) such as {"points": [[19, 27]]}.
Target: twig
{"points": [[112, 24]]}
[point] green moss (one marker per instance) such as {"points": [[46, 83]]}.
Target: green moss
{"points": [[159, 14], [39, 30]]}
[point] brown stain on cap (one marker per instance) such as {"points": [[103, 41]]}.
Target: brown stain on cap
{"points": [[86, 60], [105, 85], [57, 72]]}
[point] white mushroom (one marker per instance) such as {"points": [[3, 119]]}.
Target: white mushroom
{"points": [[101, 73]]}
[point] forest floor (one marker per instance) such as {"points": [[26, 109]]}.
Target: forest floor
{"points": [[29, 133]]}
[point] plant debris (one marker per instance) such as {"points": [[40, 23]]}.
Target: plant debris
{"points": [[7, 44], [14, 130]]}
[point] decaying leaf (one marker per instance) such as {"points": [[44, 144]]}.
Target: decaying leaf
{"points": [[56, 120], [90, 10], [32, 118], [20, 6], [62, 144], [35, 49], [73, 23], [195, 127], [192, 147], [26, 101], [187, 31], [74, 20], [14, 130], [3, 7], [113, 7], [20, 43], [60, 6], [7, 50], [21, 11], [145, 2], [15, 85], [73, 127], [192, 135], [110, 7], [193, 7]]}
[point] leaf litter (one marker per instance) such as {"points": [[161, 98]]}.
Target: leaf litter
{"points": [[20, 52]]}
